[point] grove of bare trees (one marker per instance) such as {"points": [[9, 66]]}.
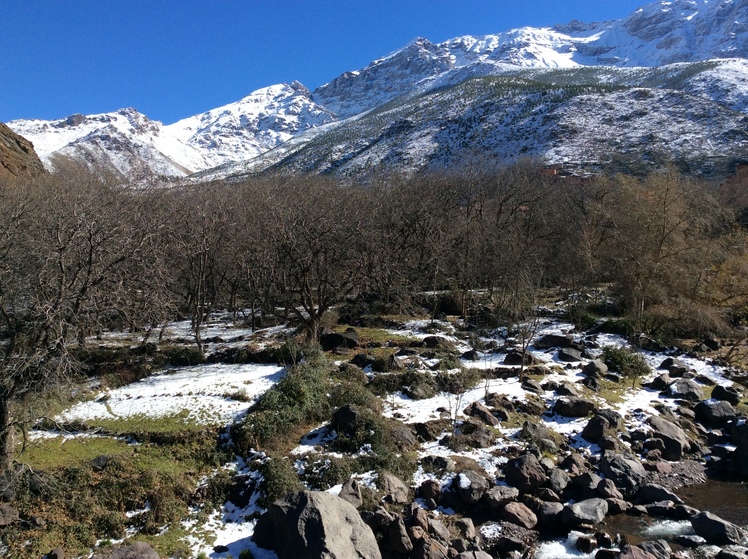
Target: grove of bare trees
{"points": [[80, 253]]}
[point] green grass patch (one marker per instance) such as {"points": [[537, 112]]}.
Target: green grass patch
{"points": [[82, 487], [48, 454]]}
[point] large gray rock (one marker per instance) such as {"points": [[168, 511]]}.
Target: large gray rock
{"points": [[596, 429], [315, 525], [351, 492], [569, 355], [589, 511], [715, 530], [660, 549], [570, 406], [470, 485], [525, 473], [595, 368], [626, 472], [726, 393], [481, 412], [519, 514], [673, 437], [653, 493], [394, 488], [715, 412], [397, 536], [499, 495], [685, 389]]}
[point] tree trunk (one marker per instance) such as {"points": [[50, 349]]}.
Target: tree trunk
{"points": [[6, 443]]}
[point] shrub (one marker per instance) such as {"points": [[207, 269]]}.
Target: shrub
{"points": [[300, 398], [459, 382], [628, 363], [280, 479]]}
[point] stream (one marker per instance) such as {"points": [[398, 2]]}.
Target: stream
{"points": [[727, 499]]}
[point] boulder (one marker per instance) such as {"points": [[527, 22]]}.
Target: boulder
{"points": [[685, 389], [566, 389], [470, 485], [570, 406], [532, 386], [673, 437], [554, 340], [596, 428], [334, 340], [595, 368], [660, 549], [653, 493], [589, 511], [472, 355], [310, 525], [715, 530], [586, 485], [502, 538], [394, 488], [437, 342], [499, 495], [715, 412], [518, 514], [558, 480], [675, 367], [726, 393], [625, 471], [430, 489], [608, 490], [549, 516], [660, 382], [397, 537], [481, 412], [429, 548], [569, 355], [351, 492], [634, 552], [525, 473], [516, 358]]}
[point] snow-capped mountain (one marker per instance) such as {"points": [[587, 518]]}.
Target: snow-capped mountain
{"points": [[688, 55], [130, 143]]}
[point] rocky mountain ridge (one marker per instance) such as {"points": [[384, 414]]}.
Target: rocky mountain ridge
{"points": [[694, 49], [17, 156]]}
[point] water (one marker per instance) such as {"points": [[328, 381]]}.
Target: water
{"points": [[727, 499]]}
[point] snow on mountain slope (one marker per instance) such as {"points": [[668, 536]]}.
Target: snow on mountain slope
{"points": [[665, 45], [660, 33], [251, 126], [124, 141], [131, 144], [505, 118]]}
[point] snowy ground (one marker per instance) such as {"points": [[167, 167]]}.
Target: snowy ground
{"points": [[212, 394], [218, 394]]}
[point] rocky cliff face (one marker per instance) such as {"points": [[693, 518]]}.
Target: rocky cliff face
{"points": [[17, 156]]}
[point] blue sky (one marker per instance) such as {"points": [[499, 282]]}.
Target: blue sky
{"points": [[175, 58]]}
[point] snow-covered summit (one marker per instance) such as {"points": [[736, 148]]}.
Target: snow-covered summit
{"points": [[641, 50]]}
